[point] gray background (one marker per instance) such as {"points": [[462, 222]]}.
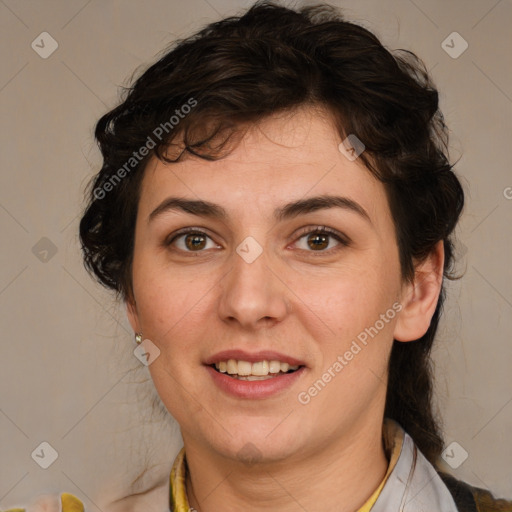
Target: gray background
{"points": [[66, 345]]}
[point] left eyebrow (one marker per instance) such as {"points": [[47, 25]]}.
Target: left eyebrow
{"points": [[312, 204], [288, 211]]}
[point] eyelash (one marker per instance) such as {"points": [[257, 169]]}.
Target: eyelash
{"points": [[343, 241]]}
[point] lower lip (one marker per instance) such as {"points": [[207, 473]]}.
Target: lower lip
{"points": [[254, 389]]}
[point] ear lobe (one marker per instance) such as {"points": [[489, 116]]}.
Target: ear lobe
{"points": [[419, 298], [132, 314]]}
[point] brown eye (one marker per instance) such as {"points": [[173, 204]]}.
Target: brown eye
{"points": [[319, 239], [192, 241]]}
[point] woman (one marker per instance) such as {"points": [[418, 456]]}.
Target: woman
{"points": [[275, 208]]}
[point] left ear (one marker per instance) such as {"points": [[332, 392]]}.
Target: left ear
{"points": [[419, 298]]}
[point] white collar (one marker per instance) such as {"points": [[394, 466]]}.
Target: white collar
{"points": [[414, 485]]}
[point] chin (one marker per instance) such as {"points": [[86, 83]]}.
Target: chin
{"points": [[253, 446]]}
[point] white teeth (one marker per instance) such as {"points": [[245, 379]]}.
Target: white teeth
{"points": [[255, 377], [232, 367], [258, 369], [275, 366], [244, 368]]}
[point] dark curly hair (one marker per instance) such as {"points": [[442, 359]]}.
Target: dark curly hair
{"points": [[208, 87]]}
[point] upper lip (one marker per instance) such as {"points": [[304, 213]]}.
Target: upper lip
{"points": [[263, 355]]}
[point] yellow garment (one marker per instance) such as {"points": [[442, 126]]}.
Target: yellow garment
{"points": [[69, 503], [393, 439]]}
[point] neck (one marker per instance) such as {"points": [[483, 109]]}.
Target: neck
{"points": [[338, 476]]}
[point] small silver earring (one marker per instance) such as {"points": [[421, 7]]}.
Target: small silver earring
{"points": [[138, 338]]}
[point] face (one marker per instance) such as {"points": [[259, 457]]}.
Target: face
{"points": [[317, 284]]}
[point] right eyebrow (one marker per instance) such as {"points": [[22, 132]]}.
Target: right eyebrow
{"points": [[195, 207]]}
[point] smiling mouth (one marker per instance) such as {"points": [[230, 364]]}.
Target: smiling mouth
{"points": [[244, 370]]}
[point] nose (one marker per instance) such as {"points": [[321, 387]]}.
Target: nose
{"points": [[253, 294]]}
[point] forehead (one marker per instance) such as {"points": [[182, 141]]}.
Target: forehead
{"points": [[285, 157]]}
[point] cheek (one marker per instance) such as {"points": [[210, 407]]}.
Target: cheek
{"points": [[356, 349], [349, 300], [177, 392], [167, 296]]}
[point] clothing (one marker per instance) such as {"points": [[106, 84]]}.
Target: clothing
{"points": [[178, 473], [411, 484], [65, 503], [179, 501]]}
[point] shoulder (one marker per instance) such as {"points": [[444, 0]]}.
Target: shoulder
{"points": [[53, 503], [155, 499], [486, 502], [473, 499]]}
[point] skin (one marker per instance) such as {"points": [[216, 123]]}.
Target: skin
{"points": [[297, 299]]}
